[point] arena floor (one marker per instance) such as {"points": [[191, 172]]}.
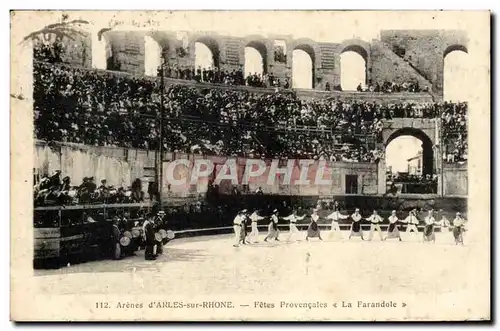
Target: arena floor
{"points": [[211, 265], [437, 275]]}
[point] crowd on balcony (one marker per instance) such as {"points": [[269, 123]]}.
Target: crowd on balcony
{"points": [[392, 87], [216, 75], [385, 87], [101, 108], [52, 190]]}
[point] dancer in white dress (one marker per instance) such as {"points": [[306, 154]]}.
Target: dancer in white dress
{"points": [[375, 221], [335, 233], [237, 223], [430, 223], [313, 229], [393, 229], [255, 218], [412, 222], [356, 229], [293, 218], [458, 229], [272, 228], [444, 223]]}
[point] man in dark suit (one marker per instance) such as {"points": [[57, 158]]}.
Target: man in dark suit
{"points": [[149, 238], [159, 224]]}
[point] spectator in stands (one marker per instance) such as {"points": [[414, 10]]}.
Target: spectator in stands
{"points": [[154, 194], [137, 194], [66, 184], [84, 193]]}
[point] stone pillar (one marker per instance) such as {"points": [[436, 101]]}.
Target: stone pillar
{"points": [[381, 177], [440, 185]]}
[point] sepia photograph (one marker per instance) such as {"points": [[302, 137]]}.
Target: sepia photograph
{"points": [[250, 166]]}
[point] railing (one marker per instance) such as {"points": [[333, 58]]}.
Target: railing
{"points": [[94, 206]]}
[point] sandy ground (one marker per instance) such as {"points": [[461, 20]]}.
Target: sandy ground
{"points": [[440, 280], [210, 265]]}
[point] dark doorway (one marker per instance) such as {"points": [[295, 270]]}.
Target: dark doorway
{"points": [[351, 184]]}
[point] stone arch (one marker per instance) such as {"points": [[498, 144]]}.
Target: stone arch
{"points": [[309, 50], [213, 45], [310, 47], [427, 145], [454, 71], [355, 45], [165, 41], [455, 47], [359, 47], [111, 39], [261, 47], [101, 51], [153, 53]]}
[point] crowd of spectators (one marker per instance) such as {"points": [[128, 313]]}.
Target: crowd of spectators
{"points": [[392, 87], [412, 183], [52, 190], [385, 87], [226, 77], [102, 108], [454, 119]]}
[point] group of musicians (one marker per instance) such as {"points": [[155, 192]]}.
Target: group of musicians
{"points": [[457, 227]]}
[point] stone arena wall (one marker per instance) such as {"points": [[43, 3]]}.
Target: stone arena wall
{"points": [[400, 56]]}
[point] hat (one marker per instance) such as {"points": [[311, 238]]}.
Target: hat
{"points": [[357, 209], [161, 212], [458, 213], [103, 180], [244, 211], [394, 211], [275, 211]]}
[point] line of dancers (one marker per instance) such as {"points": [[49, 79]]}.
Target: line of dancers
{"points": [[457, 227]]}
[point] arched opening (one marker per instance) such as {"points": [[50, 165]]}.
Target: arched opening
{"points": [[204, 58], [409, 159], [353, 68], [206, 53], [455, 74], [106, 56], [100, 51], [152, 56], [255, 59], [303, 67]]}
